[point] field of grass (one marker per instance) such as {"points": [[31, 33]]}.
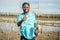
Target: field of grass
{"points": [[13, 35], [9, 36], [41, 36]]}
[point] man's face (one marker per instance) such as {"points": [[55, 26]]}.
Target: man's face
{"points": [[26, 8]]}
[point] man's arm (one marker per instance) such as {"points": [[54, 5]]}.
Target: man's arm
{"points": [[20, 22]]}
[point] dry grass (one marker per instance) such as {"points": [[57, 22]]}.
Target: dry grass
{"points": [[41, 36], [9, 36], [48, 36]]}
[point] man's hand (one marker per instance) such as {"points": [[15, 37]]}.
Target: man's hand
{"points": [[24, 18]]}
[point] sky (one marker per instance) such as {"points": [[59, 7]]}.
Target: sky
{"points": [[41, 6]]}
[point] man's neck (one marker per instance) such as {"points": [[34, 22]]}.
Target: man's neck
{"points": [[26, 13]]}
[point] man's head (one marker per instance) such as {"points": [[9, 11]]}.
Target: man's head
{"points": [[26, 7]]}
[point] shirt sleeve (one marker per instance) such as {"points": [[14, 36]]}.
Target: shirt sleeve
{"points": [[19, 18]]}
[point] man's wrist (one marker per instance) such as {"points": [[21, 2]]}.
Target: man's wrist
{"points": [[22, 20]]}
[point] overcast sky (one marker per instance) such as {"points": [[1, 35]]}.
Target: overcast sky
{"points": [[42, 6]]}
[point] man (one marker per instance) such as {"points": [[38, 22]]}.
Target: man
{"points": [[26, 21]]}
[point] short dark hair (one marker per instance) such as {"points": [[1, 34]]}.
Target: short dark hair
{"points": [[25, 3]]}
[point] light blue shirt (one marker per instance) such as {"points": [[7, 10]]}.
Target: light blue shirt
{"points": [[27, 27]]}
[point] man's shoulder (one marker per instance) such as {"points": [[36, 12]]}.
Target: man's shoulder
{"points": [[21, 14], [32, 13]]}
